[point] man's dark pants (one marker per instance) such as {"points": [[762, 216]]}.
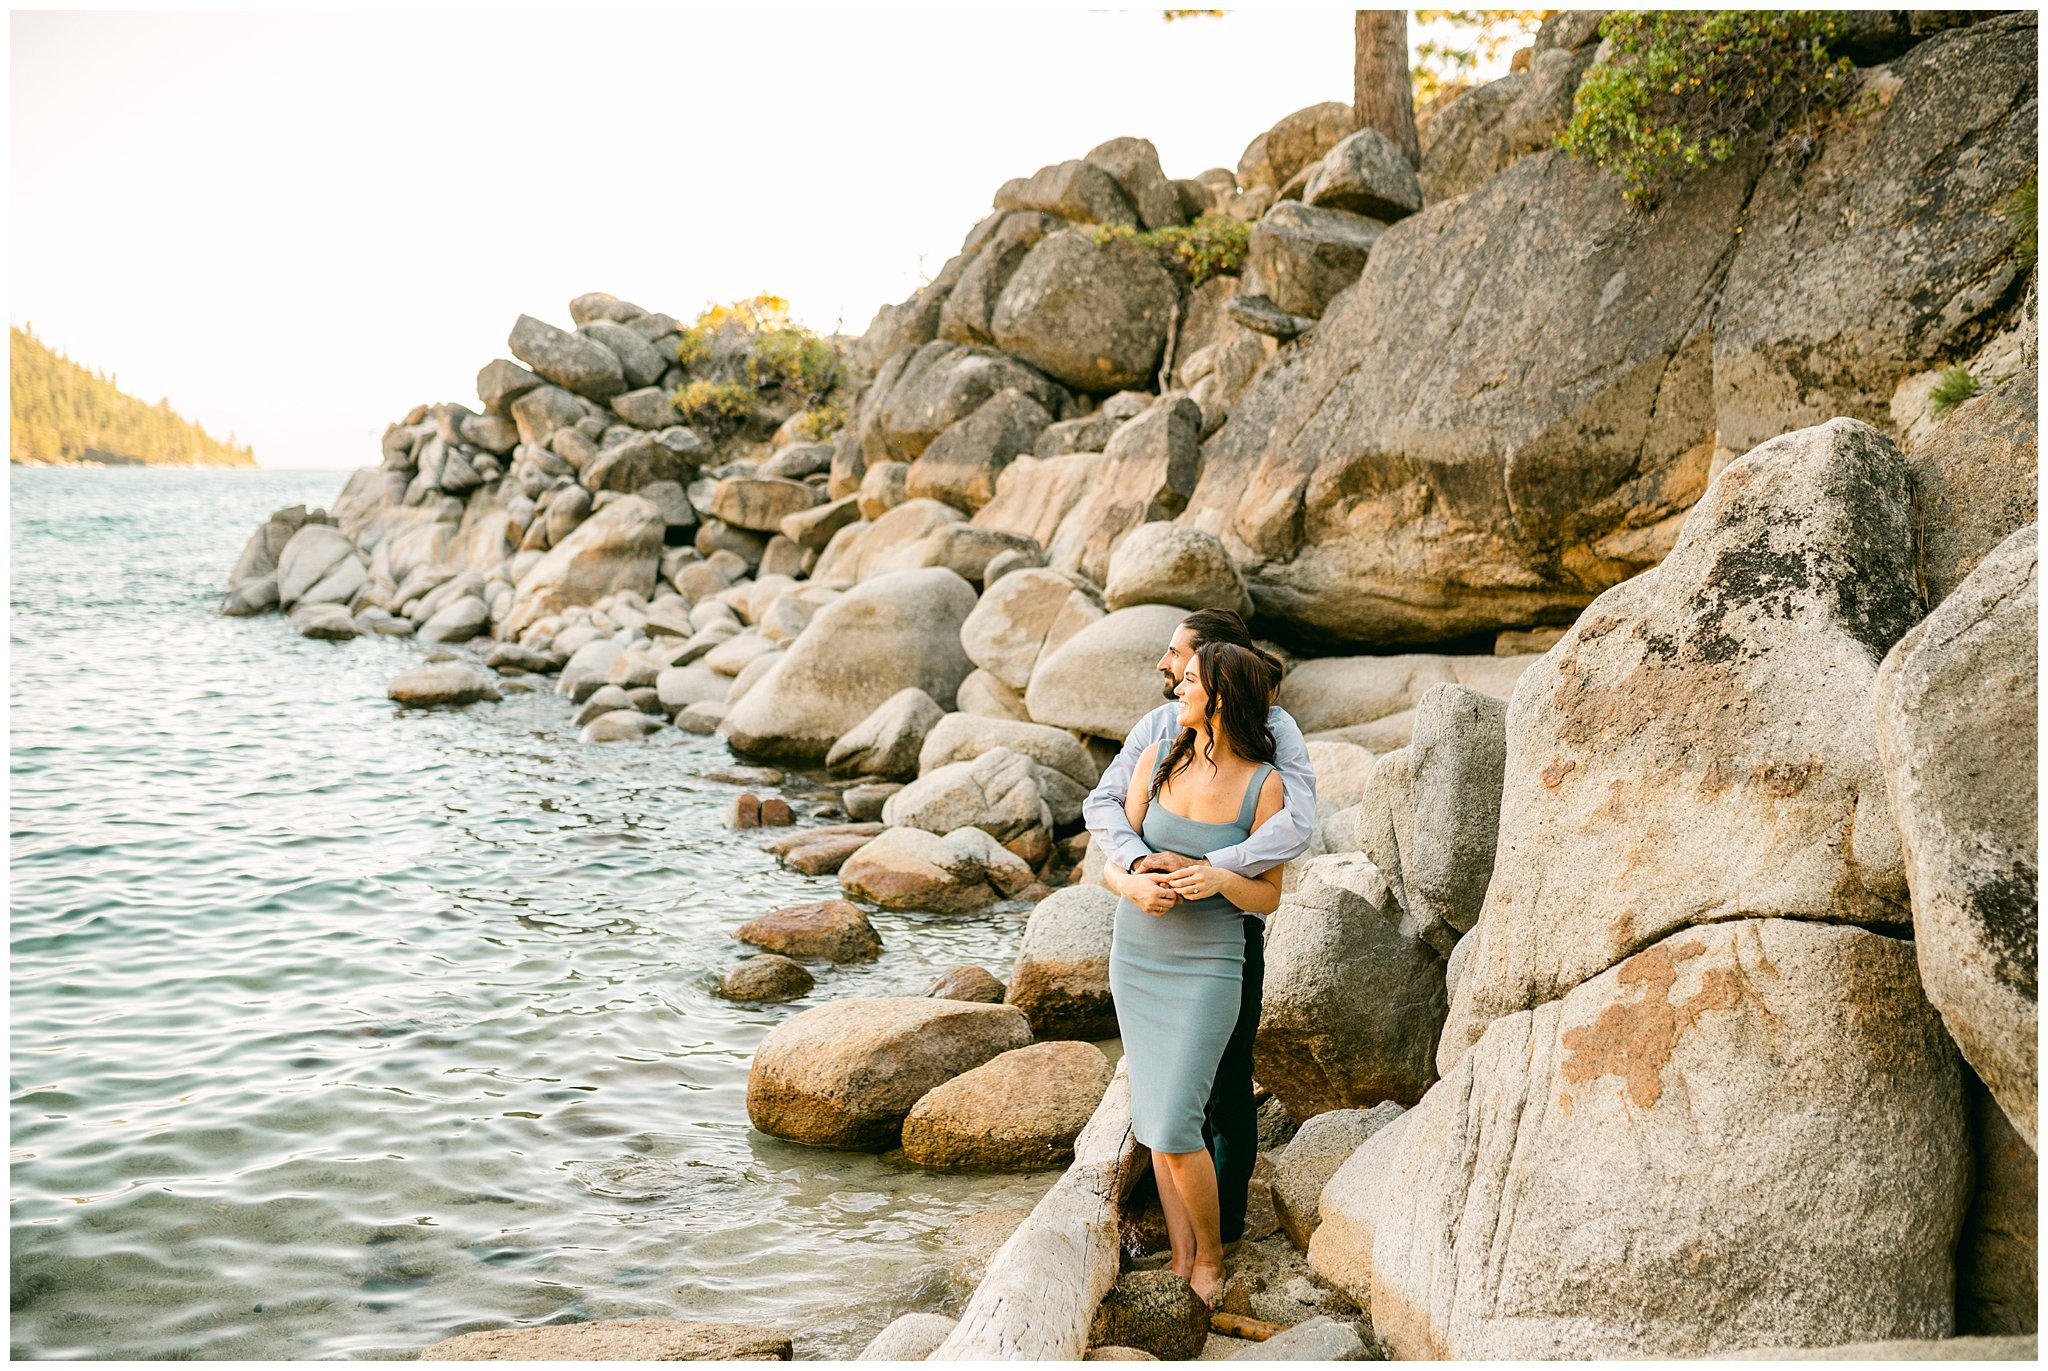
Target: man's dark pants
{"points": [[1230, 1123]]}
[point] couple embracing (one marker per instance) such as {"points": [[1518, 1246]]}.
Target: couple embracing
{"points": [[1209, 799]]}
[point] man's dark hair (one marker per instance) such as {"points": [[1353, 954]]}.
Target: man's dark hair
{"points": [[1225, 626]]}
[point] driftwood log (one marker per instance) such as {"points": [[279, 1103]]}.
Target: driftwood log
{"points": [[1038, 1299]]}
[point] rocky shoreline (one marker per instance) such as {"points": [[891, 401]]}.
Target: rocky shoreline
{"points": [[1662, 979]]}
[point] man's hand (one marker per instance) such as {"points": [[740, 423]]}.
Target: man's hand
{"points": [[1163, 861], [1195, 881], [1149, 893]]}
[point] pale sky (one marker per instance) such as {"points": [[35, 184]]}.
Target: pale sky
{"points": [[297, 225]]}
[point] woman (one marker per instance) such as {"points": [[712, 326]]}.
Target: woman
{"points": [[1178, 951]]}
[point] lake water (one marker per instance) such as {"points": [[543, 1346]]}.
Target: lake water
{"points": [[338, 1029]]}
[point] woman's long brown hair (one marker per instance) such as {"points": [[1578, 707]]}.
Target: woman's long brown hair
{"points": [[1240, 683]]}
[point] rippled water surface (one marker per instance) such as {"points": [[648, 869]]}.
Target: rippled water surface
{"points": [[338, 1029]]}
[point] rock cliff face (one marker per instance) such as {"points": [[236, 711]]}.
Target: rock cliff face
{"points": [[1525, 386]]}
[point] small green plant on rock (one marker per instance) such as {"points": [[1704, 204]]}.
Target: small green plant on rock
{"points": [[1955, 386], [1686, 88], [1214, 245]]}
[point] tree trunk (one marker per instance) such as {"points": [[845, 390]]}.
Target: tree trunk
{"points": [[1382, 96], [1037, 1301]]}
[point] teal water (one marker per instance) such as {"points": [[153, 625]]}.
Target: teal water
{"points": [[338, 1030]]}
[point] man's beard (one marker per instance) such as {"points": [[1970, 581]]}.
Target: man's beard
{"points": [[1170, 686]]}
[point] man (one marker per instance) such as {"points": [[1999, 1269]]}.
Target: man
{"points": [[1230, 1125]]}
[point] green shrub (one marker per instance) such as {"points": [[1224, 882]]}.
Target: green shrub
{"points": [[1214, 245], [820, 422], [755, 343], [1684, 88], [718, 406], [2018, 208], [1955, 386]]}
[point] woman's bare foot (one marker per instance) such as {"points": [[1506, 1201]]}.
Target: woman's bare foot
{"points": [[1207, 1282]]}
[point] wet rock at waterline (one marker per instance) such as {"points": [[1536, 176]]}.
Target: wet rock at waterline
{"points": [[442, 683], [617, 1340], [912, 1337], [832, 929], [766, 977], [973, 983], [1019, 1111], [846, 1074], [953, 873]]}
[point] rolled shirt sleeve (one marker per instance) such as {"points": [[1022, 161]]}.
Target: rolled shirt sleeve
{"points": [[1287, 834]]}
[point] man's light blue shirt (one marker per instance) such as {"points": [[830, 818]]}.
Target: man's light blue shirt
{"points": [[1280, 839]]}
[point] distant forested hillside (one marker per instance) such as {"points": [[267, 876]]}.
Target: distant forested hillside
{"points": [[63, 415]]}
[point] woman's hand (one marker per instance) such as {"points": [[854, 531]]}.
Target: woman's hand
{"points": [[1196, 881], [1149, 893]]}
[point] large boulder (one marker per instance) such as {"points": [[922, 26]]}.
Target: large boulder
{"points": [[310, 557], [1023, 616], [1882, 251], [887, 743], [1464, 142], [927, 390], [1974, 481], [845, 1074], [1061, 979], [1700, 746], [951, 873], [963, 737], [897, 630], [760, 503], [1101, 681], [972, 304], [1170, 564], [1079, 507], [569, 360], [638, 461], [1956, 707], [1456, 768], [1321, 1145], [1303, 255], [1304, 136], [1133, 163], [1020, 1111], [1078, 191], [998, 792], [1365, 174], [1354, 1000], [962, 464], [1486, 420], [617, 548], [1091, 315], [1554, 1196]]}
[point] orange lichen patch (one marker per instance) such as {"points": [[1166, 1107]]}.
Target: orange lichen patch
{"points": [[1553, 775], [1785, 779], [1634, 1041], [1613, 807]]}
